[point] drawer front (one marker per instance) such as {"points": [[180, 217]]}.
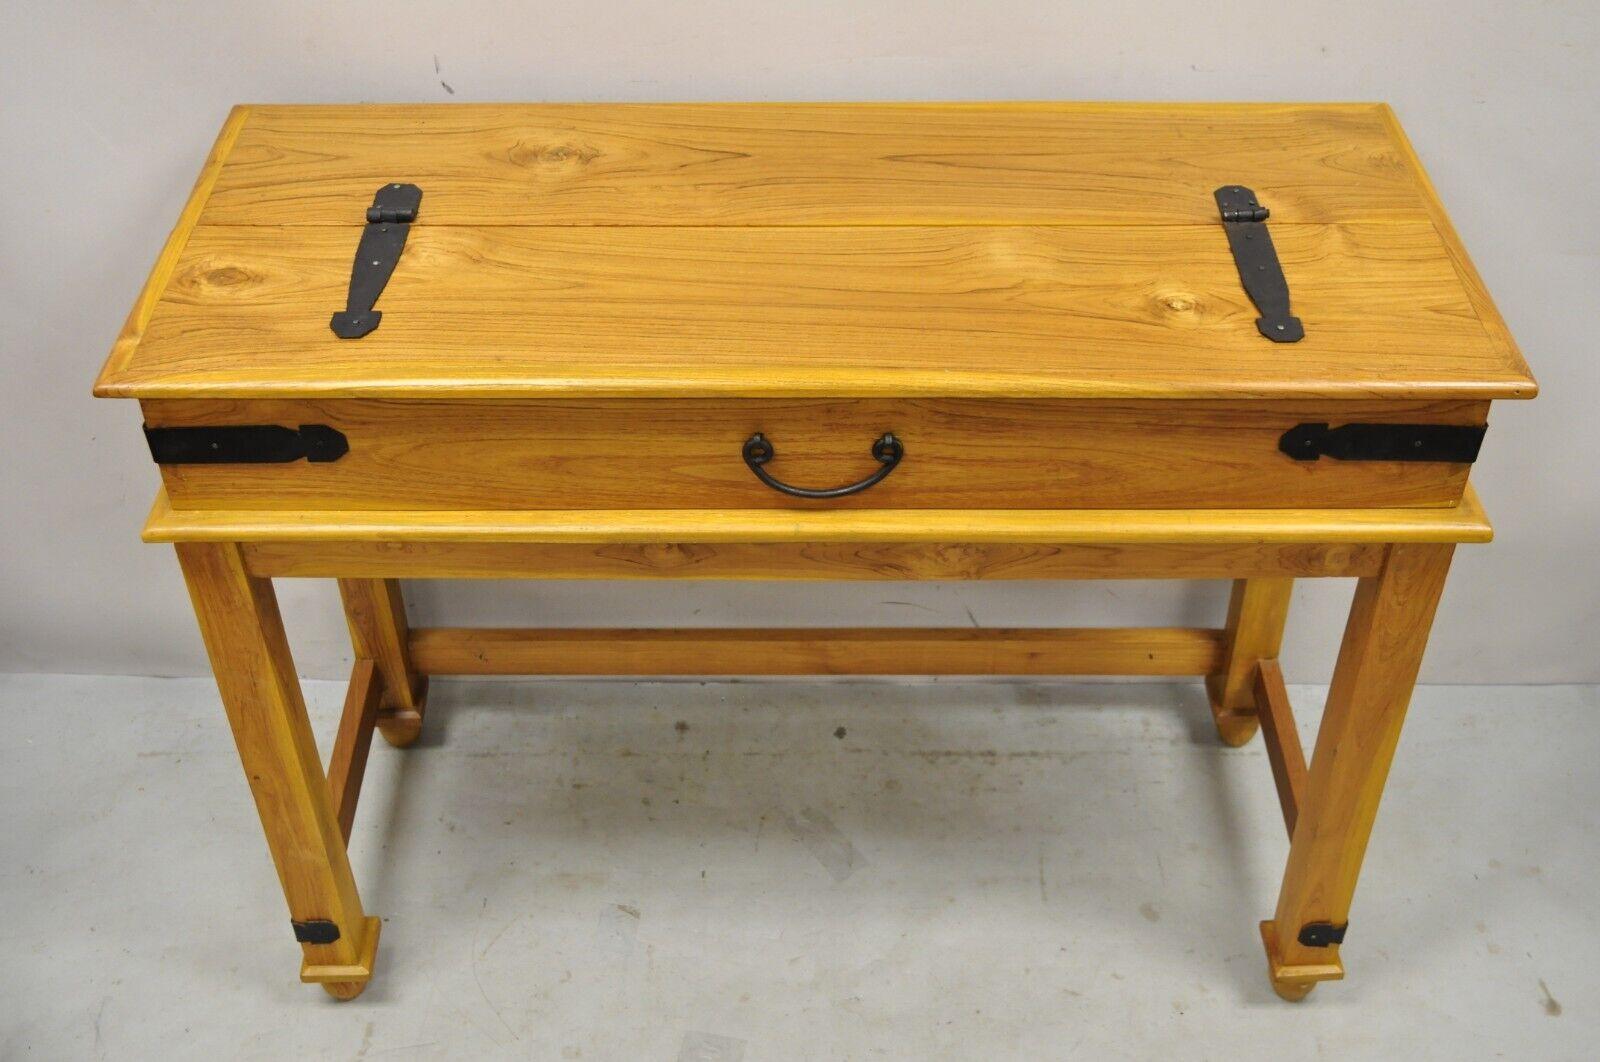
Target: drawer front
{"points": [[688, 454]]}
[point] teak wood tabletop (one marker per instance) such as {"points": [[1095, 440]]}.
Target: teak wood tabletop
{"points": [[815, 341]]}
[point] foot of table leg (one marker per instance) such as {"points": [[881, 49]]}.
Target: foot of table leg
{"points": [[1372, 682], [1256, 614], [1292, 992], [346, 982], [1294, 983], [238, 616], [376, 612]]}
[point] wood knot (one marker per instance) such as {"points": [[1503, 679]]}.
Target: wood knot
{"points": [[658, 557], [226, 277], [1178, 302], [523, 153], [1385, 162]]}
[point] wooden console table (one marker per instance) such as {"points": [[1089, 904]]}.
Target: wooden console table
{"points": [[939, 341]]}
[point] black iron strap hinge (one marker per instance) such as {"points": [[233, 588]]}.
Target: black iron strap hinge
{"points": [[389, 219], [245, 444], [1321, 934], [1458, 443], [1245, 221]]}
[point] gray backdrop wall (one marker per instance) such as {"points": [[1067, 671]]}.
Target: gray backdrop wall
{"points": [[106, 111]]}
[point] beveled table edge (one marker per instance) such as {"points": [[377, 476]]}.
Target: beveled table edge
{"points": [[1466, 522]]}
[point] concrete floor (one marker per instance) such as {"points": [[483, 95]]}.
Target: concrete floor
{"points": [[794, 871]]}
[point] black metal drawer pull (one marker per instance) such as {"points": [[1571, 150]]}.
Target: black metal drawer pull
{"points": [[886, 450]]}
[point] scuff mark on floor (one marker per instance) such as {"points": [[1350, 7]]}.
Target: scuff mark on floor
{"points": [[709, 1047], [827, 843], [1551, 1007], [482, 909]]}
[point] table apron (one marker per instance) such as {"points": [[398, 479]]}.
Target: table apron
{"points": [[806, 560]]}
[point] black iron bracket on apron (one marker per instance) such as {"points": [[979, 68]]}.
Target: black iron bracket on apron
{"points": [[245, 444], [389, 219], [1245, 220], [1455, 443]]}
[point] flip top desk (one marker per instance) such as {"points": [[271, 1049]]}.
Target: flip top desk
{"points": [[933, 341]]}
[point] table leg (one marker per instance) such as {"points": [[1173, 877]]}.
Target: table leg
{"points": [[238, 616], [1372, 682], [1256, 615], [377, 616]]}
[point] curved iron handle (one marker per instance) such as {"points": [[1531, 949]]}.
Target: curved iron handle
{"points": [[758, 451]]}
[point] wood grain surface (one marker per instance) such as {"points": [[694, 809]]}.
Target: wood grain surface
{"points": [[815, 164], [1257, 611], [1282, 740], [1465, 522], [802, 560], [811, 651], [985, 250], [686, 454], [1091, 311], [243, 631], [1379, 658]]}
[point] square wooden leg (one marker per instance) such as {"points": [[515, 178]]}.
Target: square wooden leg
{"points": [[376, 612], [239, 620], [1256, 615], [1372, 683]]}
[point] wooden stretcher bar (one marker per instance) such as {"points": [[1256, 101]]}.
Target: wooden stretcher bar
{"points": [[1282, 740]]}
